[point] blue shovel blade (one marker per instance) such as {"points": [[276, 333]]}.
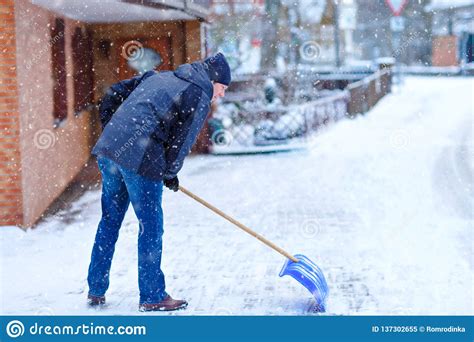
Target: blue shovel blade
{"points": [[308, 274]]}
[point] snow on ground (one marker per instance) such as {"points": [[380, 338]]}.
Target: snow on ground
{"points": [[383, 203]]}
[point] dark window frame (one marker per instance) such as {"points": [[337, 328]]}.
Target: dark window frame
{"points": [[59, 73], [82, 56]]}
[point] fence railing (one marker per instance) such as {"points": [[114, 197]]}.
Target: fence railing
{"points": [[365, 94], [252, 129], [323, 111]]}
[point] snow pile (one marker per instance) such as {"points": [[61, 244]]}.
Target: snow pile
{"points": [[382, 203]]}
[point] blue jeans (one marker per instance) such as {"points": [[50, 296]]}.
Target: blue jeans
{"points": [[120, 187]]}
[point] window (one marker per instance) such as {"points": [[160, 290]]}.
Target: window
{"points": [[144, 59], [83, 72], [58, 59]]}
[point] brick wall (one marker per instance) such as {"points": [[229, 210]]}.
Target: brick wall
{"points": [[445, 51], [51, 157], [10, 162], [38, 160]]}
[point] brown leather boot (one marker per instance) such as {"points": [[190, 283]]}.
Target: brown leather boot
{"points": [[95, 300], [167, 304]]}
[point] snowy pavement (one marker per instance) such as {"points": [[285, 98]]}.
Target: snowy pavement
{"points": [[383, 203]]}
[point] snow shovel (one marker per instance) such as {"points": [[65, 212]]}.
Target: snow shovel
{"points": [[306, 272]]}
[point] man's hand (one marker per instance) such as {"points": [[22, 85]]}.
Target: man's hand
{"points": [[172, 184]]}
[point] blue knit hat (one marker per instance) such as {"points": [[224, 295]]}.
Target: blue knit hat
{"points": [[218, 69]]}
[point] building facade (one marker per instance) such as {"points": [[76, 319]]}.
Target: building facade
{"points": [[56, 61], [453, 32]]}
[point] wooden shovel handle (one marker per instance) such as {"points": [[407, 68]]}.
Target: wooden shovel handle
{"points": [[238, 224]]}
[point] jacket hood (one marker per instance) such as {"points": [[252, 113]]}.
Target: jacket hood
{"points": [[196, 73]]}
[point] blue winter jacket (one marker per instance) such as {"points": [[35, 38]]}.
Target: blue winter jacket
{"points": [[117, 94], [155, 127]]}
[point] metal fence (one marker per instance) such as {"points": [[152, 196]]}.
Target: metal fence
{"points": [[244, 128], [365, 94]]}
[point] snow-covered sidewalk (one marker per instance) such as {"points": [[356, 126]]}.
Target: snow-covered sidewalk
{"points": [[383, 203]]}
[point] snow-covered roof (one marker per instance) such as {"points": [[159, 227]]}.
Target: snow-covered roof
{"points": [[112, 11], [447, 4]]}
